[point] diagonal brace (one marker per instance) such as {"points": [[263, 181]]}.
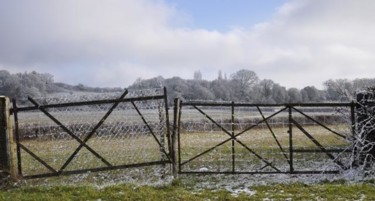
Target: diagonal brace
{"points": [[150, 129], [273, 134], [261, 121], [231, 138], [212, 120], [318, 145], [37, 158], [257, 155], [93, 131], [206, 151], [319, 123], [41, 108]]}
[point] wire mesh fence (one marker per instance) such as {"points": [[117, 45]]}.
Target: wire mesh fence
{"points": [[68, 134], [91, 132], [244, 138]]}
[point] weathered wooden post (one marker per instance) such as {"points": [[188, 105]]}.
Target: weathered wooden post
{"points": [[8, 158], [365, 126]]}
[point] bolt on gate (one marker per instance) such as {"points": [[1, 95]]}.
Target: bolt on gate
{"points": [[231, 138], [61, 137]]}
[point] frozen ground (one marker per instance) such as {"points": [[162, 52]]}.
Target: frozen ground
{"points": [[236, 184]]}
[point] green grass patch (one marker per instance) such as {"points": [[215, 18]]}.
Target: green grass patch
{"points": [[178, 191]]}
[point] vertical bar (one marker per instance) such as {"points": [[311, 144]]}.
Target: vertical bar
{"points": [[290, 131], [233, 148], [15, 115], [167, 119], [173, 137], [4, 157], [178, 135], [162, 140]]}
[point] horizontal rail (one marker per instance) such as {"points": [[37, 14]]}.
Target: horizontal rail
{"points": [[285, 172], [320, 151], [227, 104], [97, 169], [86, 103]]}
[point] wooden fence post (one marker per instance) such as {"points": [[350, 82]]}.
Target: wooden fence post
{"points": [[8, 157]]}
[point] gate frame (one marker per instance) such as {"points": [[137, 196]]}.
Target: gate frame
{"points": [[82, 143], [291, 123]]}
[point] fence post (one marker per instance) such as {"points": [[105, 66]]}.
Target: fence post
{"points": [[365, 126], [8, 158]]}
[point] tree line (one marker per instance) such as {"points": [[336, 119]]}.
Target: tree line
{"points": [[25, 84], [245, 86], [241, 86], [34, 84]]}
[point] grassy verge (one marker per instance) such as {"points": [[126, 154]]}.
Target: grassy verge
{"points": [[178, 191]]}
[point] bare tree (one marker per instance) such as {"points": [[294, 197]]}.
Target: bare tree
{"points": [[242, 81], [341, 89]]}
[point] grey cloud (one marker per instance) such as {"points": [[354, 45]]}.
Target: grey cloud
{"points": [[115, 42]]}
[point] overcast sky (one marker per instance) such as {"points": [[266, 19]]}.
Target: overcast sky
{"points": [[296, 43]]}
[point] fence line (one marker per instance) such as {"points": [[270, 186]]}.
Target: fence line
{"points": [[206, 138]]}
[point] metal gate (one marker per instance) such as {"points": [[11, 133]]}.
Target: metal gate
{"points": [[60, 137], [230, 138]]}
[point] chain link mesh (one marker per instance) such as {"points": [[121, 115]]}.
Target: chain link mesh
{"points": [[133, 133]]}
